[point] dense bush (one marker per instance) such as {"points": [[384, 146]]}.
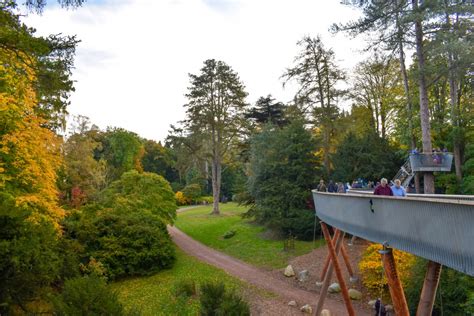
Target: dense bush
{"points": [[30, 257], [217, 301], [185, 288], [125, 243], [371, 269], [282, 173], [87, 296], [126, 231], [146, 193]]}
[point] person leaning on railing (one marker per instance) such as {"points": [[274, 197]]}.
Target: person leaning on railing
{"points": [[397, 189], [383, 188]]}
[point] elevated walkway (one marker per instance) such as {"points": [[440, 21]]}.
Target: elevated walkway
{"points": [[435, 227]]}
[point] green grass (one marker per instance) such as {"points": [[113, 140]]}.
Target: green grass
{"points": [[248, 243], [153, 295]]}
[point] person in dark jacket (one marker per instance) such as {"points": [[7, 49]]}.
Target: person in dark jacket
{"points": [[332, 187], [383, 188]]}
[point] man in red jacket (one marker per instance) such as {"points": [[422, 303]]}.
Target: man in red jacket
{"points": [[383, 188]]}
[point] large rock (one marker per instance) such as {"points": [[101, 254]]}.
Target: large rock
{"points": [[289, 272], [389, 308], [372, 303], [303, 275], [326, 312], [355, 295], [306, 309], [319, 284], [334, 288], [292, 303]]}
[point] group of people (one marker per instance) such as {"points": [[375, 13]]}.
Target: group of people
{"points": [[395, 190], [382, 188], [338, 187], [437, 154]]}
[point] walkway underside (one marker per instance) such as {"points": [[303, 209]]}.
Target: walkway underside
{"points": [[436, 228]]}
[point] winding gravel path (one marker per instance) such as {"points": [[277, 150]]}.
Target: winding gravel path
{"points": [[251, 274]]}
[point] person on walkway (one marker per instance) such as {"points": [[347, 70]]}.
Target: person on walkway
{"points": [[332, 187], [321, 186], [383, 188], [341, 188], [397, 189]]}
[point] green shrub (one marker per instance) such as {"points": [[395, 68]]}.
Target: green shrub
{"points": [[87, 296], [216, 301], [125, 243], [125, 232], [229, 234], [185, 288], [205, 200]]}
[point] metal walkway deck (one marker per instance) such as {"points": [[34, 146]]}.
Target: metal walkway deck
{"points": [[435, 227]]}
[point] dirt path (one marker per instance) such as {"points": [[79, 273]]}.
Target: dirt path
{"points": [[253, 275]]}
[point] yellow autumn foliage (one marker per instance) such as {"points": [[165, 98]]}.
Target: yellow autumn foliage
{"points": [[181, 199], [373, 276], [29, 152]]}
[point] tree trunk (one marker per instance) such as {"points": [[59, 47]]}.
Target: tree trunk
{"points": [[453, 96], [424, 108], [216, 184], [406, 88], [430, 285]]}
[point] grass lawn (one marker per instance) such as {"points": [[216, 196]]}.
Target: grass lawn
{"points": [[153, 295], [248, 243]]}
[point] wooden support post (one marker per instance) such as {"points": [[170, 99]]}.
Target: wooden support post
{"points": [[345, 256], [328, 257], [430, 286], [395, 286], [327, 278], [337, 268]]}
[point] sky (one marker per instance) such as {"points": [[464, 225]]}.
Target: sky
{"points": [[132, 64]]}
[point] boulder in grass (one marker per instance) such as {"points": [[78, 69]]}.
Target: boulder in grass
{"points": [[292, 303], [355, 295], [289, 272], [303, 275], [307, 309], [334, 288]]}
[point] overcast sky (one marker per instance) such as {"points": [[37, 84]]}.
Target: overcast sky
{"points": [[133, 61]]}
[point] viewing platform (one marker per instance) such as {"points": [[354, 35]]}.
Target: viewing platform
{"points": [[430, 162]]}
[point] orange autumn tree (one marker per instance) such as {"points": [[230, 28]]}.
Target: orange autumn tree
{"points": [[30, 216], [29, 152]]}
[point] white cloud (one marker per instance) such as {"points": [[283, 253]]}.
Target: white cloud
{"points": [[133, 61]]}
